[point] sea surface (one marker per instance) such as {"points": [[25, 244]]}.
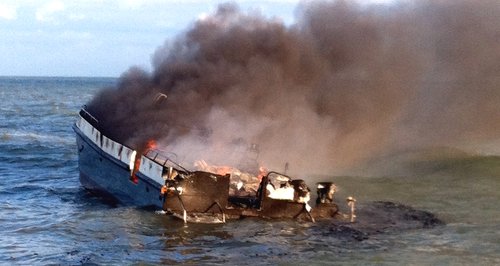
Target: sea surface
{"points": [[46, 217]]}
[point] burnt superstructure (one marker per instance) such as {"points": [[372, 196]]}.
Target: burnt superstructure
{"points": [[207, 194]]}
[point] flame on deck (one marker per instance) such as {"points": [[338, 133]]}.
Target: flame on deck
{"points": [[150, 145]]}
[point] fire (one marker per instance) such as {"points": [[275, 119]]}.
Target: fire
{"points": [[220, 170], [150, 145], [133, 177], [262, 172]]}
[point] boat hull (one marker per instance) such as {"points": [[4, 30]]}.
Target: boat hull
{"points": [[101, 173], [152, 180]]}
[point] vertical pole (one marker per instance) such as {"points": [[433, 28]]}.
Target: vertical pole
{"points": [[351, 203]]}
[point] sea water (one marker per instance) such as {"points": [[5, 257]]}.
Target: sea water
{"points": [[46, 217]]}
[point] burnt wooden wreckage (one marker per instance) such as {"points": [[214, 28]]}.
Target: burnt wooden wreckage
{"points": [[153, 179]]}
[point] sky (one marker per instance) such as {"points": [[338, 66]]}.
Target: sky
{"points": [[100, 37]]}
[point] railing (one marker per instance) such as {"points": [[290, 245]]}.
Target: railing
{"points": [[88, 116], [163, 159]]}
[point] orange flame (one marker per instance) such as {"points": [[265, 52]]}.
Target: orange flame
{"points": [[134, 177], [151, 145], [220, 170]]}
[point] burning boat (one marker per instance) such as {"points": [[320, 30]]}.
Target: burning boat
{"points": [[205, 194]]}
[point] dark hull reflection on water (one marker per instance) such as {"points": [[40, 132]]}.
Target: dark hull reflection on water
{"points": [[46, 217]]}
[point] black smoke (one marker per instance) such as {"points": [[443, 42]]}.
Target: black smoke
{"points": [[345, 83]]}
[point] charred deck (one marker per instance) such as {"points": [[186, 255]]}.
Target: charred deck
{"points": [[152, 179]]}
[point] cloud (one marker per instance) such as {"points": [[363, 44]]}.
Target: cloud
{"points": [[132, 27], [46, 12], [8, 12]]}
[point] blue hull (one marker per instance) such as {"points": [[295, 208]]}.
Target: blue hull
{"points": [[105, 167], [100, 172]]}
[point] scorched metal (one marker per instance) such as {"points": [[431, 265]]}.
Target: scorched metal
{"points": [[153, 179]]}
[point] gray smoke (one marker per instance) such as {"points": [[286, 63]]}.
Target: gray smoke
{"points": [[344, 84]]}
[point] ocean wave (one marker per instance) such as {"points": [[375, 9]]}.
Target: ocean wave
{"points": [[19, 136]]}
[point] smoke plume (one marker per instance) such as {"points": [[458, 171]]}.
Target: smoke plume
{"points": [[345, 83]]}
